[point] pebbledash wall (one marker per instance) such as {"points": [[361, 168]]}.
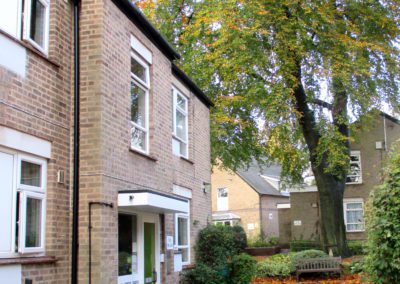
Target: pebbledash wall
{"points": [[305, 214], [36, 107], [108, 163], [35, 124]]}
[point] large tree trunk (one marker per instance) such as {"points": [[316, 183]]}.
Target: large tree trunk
{"points": [[330, 188]]}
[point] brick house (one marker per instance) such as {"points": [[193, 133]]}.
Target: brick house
{"points": [[144, 147], [367, 155], [248, 197]]}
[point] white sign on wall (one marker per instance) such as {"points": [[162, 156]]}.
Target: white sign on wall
{"points": [[170, 242], [270, 216], [297, 222], [250, 226]]}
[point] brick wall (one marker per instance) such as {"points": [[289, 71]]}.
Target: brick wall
{"points": [[110, 166], [40, 105]]}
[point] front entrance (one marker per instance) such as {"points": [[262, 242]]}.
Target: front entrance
{"points": [[138, 248]]}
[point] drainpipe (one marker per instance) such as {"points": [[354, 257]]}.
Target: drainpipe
{"points": [[75, 183]]}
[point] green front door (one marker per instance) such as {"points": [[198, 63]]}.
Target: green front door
{"points": [[149, 253]]}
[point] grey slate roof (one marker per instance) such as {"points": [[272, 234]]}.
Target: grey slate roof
{"points": [[254, 177]]}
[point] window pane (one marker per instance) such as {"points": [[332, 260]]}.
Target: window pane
{"points": [[185, 254], [180, 125], [182, 149], [138, 139], [222, 192], [127, 245], [30, 174], [9, 17], [138, 105], [38, 22], [182, 231], [33, 222], [181, 102], [138, 70], [354, 205]]}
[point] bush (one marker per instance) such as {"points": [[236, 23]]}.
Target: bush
{"points": [[240, 238], [383, 221], [260, 241], [243, 269], [357, 247], [312, 253], [301, 245], [202, 274], [279, 265], [216, 245]]}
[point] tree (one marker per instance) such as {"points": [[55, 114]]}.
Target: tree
{"points": [[284, 76]]}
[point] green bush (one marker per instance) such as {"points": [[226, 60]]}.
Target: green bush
{"points": [[357, 247], [259, 241], [240, 238], [312, 253], [216, 245], [243, 269], [279, 265], [301, 245], [383, 223], [202, 274]]}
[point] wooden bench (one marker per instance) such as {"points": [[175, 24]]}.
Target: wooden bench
{"points": [[322, 264]]}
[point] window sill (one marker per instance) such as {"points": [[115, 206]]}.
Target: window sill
{"points": [[31, 48], [186, 160], [28, 260], [149, 157], [188, 266], [352, 232]]}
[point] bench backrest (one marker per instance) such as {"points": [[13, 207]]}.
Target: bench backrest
{"points": [[319, 263]]}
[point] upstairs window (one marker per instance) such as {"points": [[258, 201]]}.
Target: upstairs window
{"points": [[354, 175], [140, 84], [222, 199], [180, 124], [36, 21]]}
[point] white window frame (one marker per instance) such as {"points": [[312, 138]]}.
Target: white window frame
{"points": [[26, 191], [27, 28], [16, 33], [345, 210], [177, 246], [145, 86], [176, 108], [23, 204], [225, 199], [358, 154]]}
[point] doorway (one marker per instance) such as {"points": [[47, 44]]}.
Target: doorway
{"points": [[138, 248]]}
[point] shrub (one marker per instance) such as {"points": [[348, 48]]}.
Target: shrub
{"points": [[243, 269], [259, 241], [312, 253], [202, 274], [216, 245], [357, 247], [240, 238], [383, 221], [279, 265], [300, 245]]}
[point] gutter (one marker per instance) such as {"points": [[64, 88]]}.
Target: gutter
{"points": [[75, 183]]}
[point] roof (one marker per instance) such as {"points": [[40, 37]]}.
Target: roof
{"points": [[140, 20], [192, 86], [261, 178], [224, 216]]}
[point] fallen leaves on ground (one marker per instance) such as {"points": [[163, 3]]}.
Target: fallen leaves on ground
{"points": [[346, 279]]}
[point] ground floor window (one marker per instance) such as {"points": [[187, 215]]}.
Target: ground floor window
{"points": [[224, 223], [354, 215], [182, 236], [23, 180]]}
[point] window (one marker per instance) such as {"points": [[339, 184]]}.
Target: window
{"points": [[180, 124], [36, 21], [354, 215], [23, 203], [355, 174], [140, 84], [222, 199], [182, 236]]}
